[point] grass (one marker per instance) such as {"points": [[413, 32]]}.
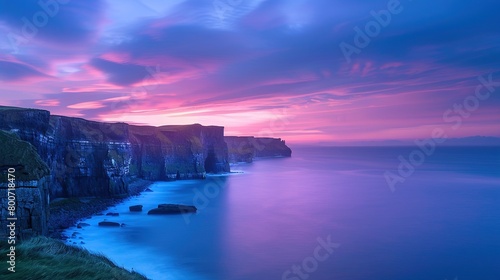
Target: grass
{"points": [[5, 108], [22, 155], [44, 258]]}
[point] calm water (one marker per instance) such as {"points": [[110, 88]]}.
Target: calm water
{"points": [[443, 222]]}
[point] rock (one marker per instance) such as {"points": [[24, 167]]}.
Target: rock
{"points": [[112, 214], [172, 209], [109, 224], [148, 190], [80, 225], [81, 242], [135, 208]]}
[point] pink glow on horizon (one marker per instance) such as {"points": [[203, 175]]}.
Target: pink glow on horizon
{"points": [[314, 119]]}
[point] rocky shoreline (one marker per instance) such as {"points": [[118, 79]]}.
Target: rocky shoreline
{"points": [[66, 213]]}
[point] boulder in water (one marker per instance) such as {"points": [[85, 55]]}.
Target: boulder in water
{"points": [[135, 208], [172, 209], [109, 224]]}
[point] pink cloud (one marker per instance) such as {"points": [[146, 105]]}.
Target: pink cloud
{"points": [[118, 57], [87, 105], [48, 102]]}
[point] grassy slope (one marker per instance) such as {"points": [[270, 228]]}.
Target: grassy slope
{"points": [[44, 258]]}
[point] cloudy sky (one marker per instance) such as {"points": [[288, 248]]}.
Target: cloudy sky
{"points": [[303, 70]]}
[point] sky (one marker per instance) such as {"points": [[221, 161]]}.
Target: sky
{"points": [[307, 71]]}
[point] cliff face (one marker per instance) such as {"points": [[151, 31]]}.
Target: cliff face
{"points": [[29, 175], [177, 152], [245, 149], [89, 158]]}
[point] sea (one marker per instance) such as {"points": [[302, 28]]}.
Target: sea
{"points": [[347, 213]]}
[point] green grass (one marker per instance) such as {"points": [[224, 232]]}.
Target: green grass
{"points": [[5, 108], [15, 152], [44, 258]]}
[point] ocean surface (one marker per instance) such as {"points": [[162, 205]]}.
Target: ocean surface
{"points": [[324, 213]]}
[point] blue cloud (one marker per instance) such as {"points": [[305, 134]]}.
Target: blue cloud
{"points": [[59, 22], [122, 74], [11, 71]]}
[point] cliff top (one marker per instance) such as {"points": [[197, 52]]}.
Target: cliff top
{"points": [[173, 128], [90, 126], [18, 108], [78, 128]]}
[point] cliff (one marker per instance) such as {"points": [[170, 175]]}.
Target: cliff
{"points": [[89, 158], [26, 191], [177, 152], [247, 148]]}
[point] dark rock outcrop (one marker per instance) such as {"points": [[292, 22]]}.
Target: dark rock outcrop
{"points": [[109, 224], [29, 197], [93, 159], [165, 209], [135, 208], [246, 148]]}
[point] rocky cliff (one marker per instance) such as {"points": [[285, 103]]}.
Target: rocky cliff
{"points": [[177, 152], [23, 198], [89, 158], [246, 148]]}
